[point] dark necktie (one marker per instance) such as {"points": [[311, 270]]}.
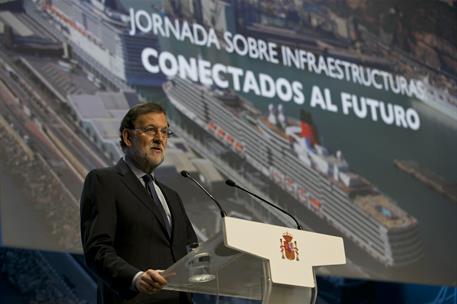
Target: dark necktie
{"points": [[149, 183]]}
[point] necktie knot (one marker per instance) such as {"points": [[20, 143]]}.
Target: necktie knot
{"points": [[147, 178]]}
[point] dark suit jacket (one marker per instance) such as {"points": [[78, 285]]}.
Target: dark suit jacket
{"points": [[122, 233]]}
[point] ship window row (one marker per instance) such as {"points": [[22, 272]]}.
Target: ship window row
{"points": [[259, 151], [259, 154], [189, 99], [402, 234], [250, 137], [252, 132], [324, 180], [185, 92], [349, 234], [288, 166], [361, 237], [305, 175], [221, 111], [413, 239], [218, 109], [284, 186], [308, 183], [407, 257], [278, 143], [260, 160], [225, 125], [337, 199], [341, 198], [408, 254], [329, 190], [301, 169], [218, 105], [263, 152], [193, 98], [274, 135], [276, 150], [284, 156], [339, 191], [308, 177], [346, 199], [222, 115], [274, 142], [366, 219], [369, 240], [253, 142], [261, 157], [355, 216], [243, 125], [198, 112], [406, 237], [413, 245], [311, 177], [406, 249], [299, 180], [183, 89]]}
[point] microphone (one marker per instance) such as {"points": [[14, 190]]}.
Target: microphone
{"points": [[187, 175], [231, 183]]}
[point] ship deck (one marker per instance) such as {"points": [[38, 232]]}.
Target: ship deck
{"points": [[384, 211]]}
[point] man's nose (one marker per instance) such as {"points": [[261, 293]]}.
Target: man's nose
{"points": [[157, 139]]}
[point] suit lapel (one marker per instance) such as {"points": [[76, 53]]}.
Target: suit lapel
{"points": [[137, 189]]}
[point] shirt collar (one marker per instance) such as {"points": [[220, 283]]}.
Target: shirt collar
{"points": [[138, 172]]}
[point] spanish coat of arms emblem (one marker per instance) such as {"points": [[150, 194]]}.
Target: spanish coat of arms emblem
{"points": [[288, 247]]}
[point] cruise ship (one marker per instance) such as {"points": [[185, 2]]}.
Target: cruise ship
{"points": [[97, 32], [287, 153]]}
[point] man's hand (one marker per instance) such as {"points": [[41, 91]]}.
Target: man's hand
{"points": [[151, 281]]}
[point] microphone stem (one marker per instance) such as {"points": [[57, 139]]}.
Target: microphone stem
{"points": [[223, 213], [299, 227]]}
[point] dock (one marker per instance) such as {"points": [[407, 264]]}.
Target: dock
{"points": [[429, 178]]}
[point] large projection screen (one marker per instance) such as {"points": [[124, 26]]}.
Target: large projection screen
{"points": [[342, 112]]}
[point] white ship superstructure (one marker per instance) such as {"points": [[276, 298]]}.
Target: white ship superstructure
{"points": [[286, 151], [99, 37]]}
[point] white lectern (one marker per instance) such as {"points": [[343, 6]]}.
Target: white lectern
{"points": [[257, 261]]}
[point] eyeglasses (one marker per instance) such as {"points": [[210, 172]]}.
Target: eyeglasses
{"points": [[153, 131]]}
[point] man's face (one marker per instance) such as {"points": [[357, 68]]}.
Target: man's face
{"points": [[145, 147]]}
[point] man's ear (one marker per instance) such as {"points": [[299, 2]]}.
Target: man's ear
{"points": [[126, 136]]}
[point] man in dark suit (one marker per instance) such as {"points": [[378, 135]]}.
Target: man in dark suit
{"points": [[132, 226]]}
